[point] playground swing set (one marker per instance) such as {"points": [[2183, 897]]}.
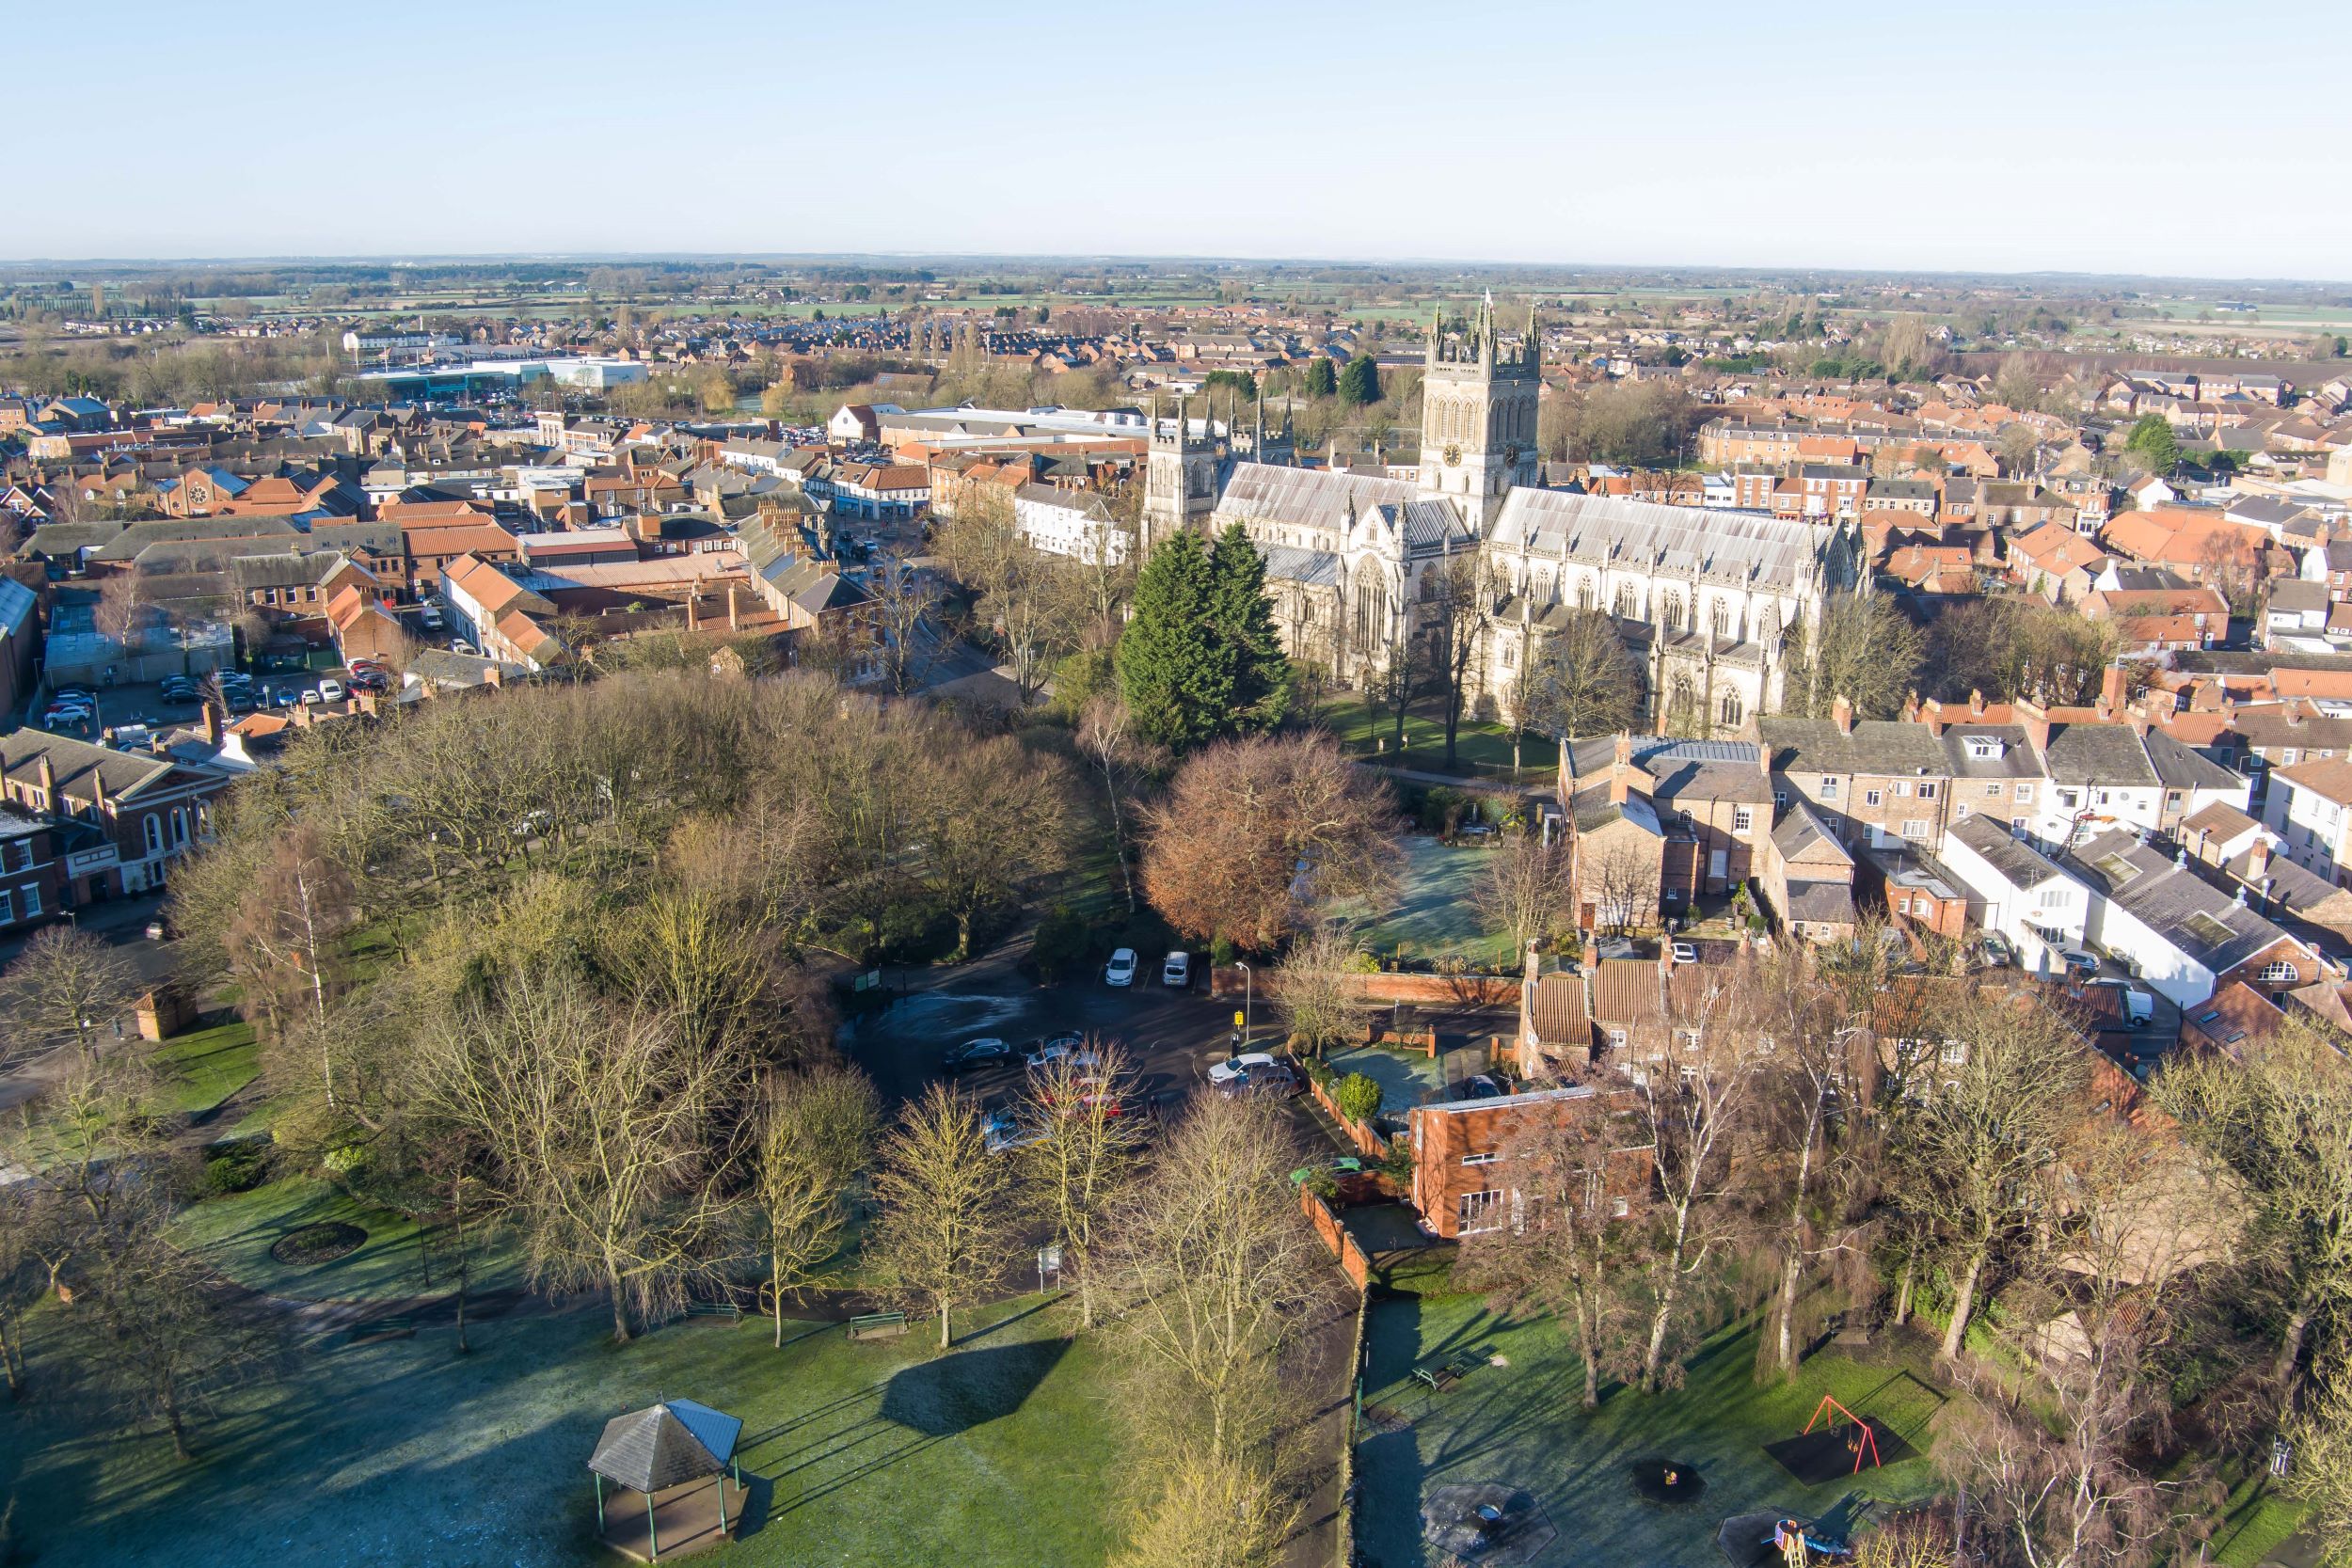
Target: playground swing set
{"points": [[1861, 1440]]}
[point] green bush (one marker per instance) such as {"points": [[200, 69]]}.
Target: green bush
{"points": [[1357, 1096], [350, 1161], [236, 1167], [1220, 953], [1062, 943], [1318, 1071]]}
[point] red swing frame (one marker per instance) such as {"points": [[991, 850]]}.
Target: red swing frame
{"points": [[1869, 1439]]}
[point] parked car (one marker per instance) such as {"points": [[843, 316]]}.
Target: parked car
{"points": [[1235, 1067], [1685, 952], [1005, 1132], [155, 929], [2079, 962], [1264, 1076], [70, 716], [179, 689], [973, 1055], [1120, 971], [430, 613], [1177, 971], [1484, 1085], [1999, 954], [1038, 1055], [311, 698], [331, 691], [2139, 1007]]}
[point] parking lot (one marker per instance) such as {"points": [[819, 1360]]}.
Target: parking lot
{"points": [[1171, 1038]]}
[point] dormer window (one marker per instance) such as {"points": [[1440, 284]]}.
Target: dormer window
{"points": [[1983, 748]]}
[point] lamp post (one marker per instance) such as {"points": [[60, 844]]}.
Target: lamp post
{"points": [[1249, 986]]}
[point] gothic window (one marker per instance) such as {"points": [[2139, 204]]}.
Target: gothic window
{"points": [[1670, 612], [1623, 606], [1723, 617], [1584, 592], [1731, 710]]}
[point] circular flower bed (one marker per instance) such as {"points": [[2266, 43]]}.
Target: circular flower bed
{"points": [[318, 1243]]}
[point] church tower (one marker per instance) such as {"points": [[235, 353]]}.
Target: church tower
{"points": [[1478, 413], [1179, 475]]}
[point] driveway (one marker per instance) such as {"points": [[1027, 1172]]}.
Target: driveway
{"points": [[1171, 1036]]}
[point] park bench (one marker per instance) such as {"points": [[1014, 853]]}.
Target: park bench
{"points": [[877, 1325], [383, 1328], [726, 1309], [1440, 1373]]}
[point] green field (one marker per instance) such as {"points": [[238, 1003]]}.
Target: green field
{"points": [[1434, 916], [202, 1069], [1519, 1425], [233, 1234], [1001, 1454], [1481, 750]]}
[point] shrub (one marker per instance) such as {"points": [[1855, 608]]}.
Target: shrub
{"points": [[350, 1161], [1357, 1096], [1221, 952], [236, 1167], [1062, 943]]}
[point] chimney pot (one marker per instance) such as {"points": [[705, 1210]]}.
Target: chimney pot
{"points": [[1841, 712]]}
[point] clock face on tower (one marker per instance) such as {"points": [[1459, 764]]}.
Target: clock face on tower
{"points": [[1452, 457]]}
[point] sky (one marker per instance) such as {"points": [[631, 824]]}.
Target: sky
{"points": [[2069, 135]]}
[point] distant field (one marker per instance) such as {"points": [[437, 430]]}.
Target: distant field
{"points": [[1001, 1454]]}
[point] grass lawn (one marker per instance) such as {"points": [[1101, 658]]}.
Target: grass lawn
{"points": [[204, 1068], [1519, 1425], [233, 1234], [1481, 750], [2254, 1520], [1435, 914], [872, 1455]]}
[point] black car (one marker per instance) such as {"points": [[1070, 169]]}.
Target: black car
{"points": [[974, 1055]]}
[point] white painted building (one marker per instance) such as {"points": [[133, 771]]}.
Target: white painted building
{"points": [[2016, 890], [2310, 807], [1072, 523]]}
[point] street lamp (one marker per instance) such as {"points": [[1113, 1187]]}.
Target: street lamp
{"points": [[1249, 986]]}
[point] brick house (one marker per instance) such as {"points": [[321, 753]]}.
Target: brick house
{"points": [[1462, 1173], [116, 820]]}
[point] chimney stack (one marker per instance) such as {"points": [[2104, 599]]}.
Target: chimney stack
{"points": [[213, 726], [2111, 693], [2257, 859], [2036, 720], [1975, 703], [1621, 769], [493, 673], [48, 784], [694, 605], [1841, 712], [735, 615]]}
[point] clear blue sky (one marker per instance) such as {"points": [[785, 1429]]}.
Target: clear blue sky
{"points": [[2054, 135]]}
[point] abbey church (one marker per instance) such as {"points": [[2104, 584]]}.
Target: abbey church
{"points": [[1708, 602]]}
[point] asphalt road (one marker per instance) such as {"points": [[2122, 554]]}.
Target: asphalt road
{"points": [[1171, 1038]]}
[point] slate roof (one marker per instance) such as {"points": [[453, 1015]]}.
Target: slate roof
{"points": [[2219, 819], [1880, 746], [2181, 767], [2097, 754], [2194, 916], [1821, 903], [649, 1449], [1307, 497], [1742, 548], [1310, 568], [2019, 863], [74, 762], [1802, 830]]}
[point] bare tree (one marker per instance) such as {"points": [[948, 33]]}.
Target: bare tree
{"points": [[2281, 1122], [1691, 1081], [898, 608], [64, 983], [1217, 1270], [2321, 1477], [995, 816], [817, 1131], [1257, 833], [1580, 680], [1080, 1170], [946, 1206], [1972, 1158], [1527, 892], [1107, 737], [1579, 1242], [604, 1132], [1459, 595], [1319, 985], [283, 941]]}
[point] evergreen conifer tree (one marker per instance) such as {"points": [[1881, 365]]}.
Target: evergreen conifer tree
{"points": [[1177, 680], [1244, 620]]}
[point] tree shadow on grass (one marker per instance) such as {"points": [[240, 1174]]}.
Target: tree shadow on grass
{"points": [[954, 1393]]}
